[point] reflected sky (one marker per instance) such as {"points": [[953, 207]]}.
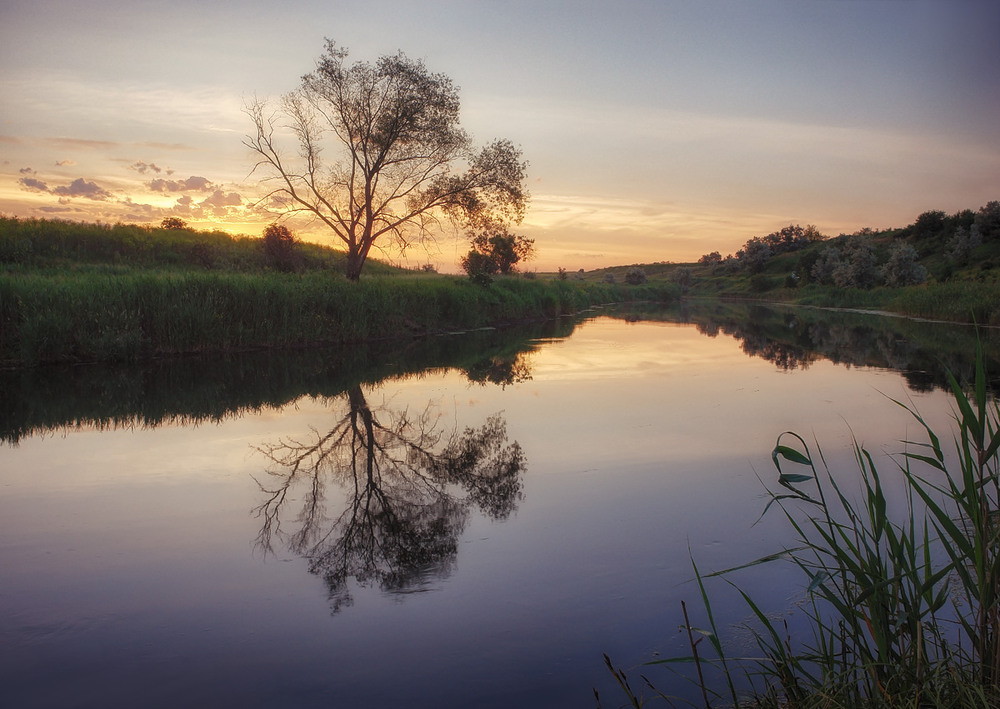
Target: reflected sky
{"points": [[129, 571]]}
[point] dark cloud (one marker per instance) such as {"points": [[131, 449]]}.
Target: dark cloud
{"points": [[62, 163], [26, 171], [143, 167], [82, 188], [31, 183], [191, 184]]}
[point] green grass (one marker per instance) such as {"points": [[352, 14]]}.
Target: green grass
{"points": [[901, 612], [92, 316], [91, 292]]}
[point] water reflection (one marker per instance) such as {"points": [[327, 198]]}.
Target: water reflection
{"points": [[194, 390], [408, 486], [795, 337], [186, 391]]}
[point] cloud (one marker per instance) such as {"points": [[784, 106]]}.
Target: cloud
{"points": [[26, 171], [165, 146], [143, 167], [62, 163], [220, 202], [191, 184], [81, 143], [82, 188], [31, 183]]}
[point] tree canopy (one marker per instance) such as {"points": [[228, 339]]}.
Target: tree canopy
{"points": [[382, 158]]}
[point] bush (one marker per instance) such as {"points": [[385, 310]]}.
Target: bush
{"points": [[635, 276], [279, 247], [902, 268]]}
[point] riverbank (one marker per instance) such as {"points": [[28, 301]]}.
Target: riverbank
{"points": [[106, 315]]}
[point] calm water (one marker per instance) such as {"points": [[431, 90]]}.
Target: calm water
{"points": [[467, 521]]}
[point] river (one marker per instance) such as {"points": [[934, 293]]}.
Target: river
{"points": [[467, 520]]}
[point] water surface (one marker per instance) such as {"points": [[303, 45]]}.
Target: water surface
{"points": [[469, 520]]}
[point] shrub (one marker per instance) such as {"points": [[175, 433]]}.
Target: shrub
{"points": [[480, 267], [902, 268], [635, 276], [173, 223], [279, 247]]}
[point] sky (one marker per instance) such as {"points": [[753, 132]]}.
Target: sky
{"points": [[654, 130]]}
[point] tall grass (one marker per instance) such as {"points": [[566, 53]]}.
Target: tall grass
{"points": [[902, 613], [92, 316]]}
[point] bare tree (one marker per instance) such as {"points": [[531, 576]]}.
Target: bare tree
{"points": [[381, 156]]}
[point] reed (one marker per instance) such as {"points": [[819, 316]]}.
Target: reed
{"points": [[901, 613], [95, 315]]}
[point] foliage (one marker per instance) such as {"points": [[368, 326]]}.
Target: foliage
{"points": [[391, 132], [496, 251], [963, 243], [480, 267], [635, 276], [902, 267], [173, 223], [279, 246], [987, 220], [754, 255], [858, 267]]}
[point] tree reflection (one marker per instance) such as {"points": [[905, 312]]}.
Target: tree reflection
{"points": [[409, 491]]}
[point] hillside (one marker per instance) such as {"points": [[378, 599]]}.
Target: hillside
{"points": [[945, 266]]}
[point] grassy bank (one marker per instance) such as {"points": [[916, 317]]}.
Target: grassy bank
{"points": [[74, 292], [90, 316]]}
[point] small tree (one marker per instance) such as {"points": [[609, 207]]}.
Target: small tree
{"points": [[755, 254], [682, 277], [963, 243], [279, 246], [902, 268], [857, 268], [824, 266], [173, 223], [480, 267], [988, 220], [635, 276], [506, 250]]}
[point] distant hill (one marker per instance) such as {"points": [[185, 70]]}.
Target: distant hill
{"points": [[936, 248]]}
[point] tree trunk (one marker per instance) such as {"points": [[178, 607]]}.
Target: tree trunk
{"points": [[354, 263]]}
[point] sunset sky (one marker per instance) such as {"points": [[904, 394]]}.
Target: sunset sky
{"points": [[655, 131]]}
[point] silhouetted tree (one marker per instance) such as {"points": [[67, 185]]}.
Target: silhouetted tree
{"points": [[173, 223], [987, 220], [502, 249], [400, 163], [279, 246], [403, 479]]}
